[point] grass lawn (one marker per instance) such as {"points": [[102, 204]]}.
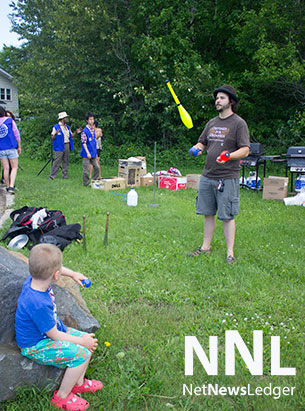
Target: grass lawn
{"points": [[148, 295]]}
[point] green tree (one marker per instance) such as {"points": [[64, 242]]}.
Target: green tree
{"points": [[113, 58]]}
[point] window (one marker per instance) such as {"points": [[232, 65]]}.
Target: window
{"points": [[5, 94]]}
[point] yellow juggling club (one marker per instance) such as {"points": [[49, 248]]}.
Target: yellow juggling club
{"points": [[184, 115]]}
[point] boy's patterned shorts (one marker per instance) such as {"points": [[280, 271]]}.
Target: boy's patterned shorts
{"points": [[60, 354]]}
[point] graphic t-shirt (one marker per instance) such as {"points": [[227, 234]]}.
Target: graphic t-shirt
{"points": [[218, 135], [36, 314]]}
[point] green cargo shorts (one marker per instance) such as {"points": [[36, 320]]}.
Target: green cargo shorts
{"points": [[210, 201]]}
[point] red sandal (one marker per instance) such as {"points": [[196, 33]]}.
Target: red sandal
{"points": [[88, 386], [70, 403]]}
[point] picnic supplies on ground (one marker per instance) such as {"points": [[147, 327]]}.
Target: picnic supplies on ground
{"points": [[36, 222], [298, 199], [21, 221], [62, 236]]}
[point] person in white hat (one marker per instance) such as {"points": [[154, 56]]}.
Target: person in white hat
{"points": [[62, 140]]}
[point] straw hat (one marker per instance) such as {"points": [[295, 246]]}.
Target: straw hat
{"points": [[62, 115]]}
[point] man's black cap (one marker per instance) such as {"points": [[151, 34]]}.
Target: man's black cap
{"points": [[226, 88]]}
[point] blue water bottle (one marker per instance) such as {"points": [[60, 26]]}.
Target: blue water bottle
{"points": [[86, 282]]}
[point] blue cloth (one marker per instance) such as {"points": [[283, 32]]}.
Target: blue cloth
{"points": [[91, 144], [59, 142], [7, 138], [36, 314]]}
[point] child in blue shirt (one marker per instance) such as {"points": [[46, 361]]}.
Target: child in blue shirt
{"points": [[43, 337]]}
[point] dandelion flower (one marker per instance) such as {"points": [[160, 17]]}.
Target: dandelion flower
{"points": [[107, 343]]}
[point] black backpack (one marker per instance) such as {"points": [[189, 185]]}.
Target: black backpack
{"points": [[23, 215], [22, 223], [54, 219]]}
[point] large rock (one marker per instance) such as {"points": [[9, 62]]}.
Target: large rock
{"points": [[17, 370], [72, 309]]}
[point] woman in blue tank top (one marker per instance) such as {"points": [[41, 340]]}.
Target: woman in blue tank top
{"points": [[10, 149]]}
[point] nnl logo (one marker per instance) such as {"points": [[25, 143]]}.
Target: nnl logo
{"points": [[232, 339]]}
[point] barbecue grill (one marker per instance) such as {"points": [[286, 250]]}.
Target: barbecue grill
{"points": [[254, 159], [295, 162], [256, 151]]}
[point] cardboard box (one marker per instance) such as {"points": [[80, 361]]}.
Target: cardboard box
{"points": [[131, 175], [112, 183], [137, 162], [193, 180], [147, 181], [143, 165], [130, 163], [275, 188], [130, 171], [172, 183]]}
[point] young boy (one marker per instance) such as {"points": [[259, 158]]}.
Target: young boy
{"points": [[43, 337]]}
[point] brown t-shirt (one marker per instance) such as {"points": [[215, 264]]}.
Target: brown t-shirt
{"points": [[219, 134]]}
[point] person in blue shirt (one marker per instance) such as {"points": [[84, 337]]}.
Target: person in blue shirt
{"points": [[10, 149], [43, 337], [98, 136], [88, 151], [62, 141]]}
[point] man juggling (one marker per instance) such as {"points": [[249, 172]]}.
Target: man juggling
{"points": [[226, 140]]}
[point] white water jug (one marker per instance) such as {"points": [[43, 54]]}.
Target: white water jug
{"points": [[132, 198]]}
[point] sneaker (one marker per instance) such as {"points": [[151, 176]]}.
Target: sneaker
{"points": [[199, 251], [230, 259], [11, 190]]}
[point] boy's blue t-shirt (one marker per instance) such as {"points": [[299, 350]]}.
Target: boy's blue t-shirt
{"points": [[36, 314]]}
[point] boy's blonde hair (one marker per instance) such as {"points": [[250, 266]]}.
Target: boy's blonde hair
{"points": [[44, 260]]}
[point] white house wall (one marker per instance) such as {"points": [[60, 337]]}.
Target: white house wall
{"points": [[13, 104]]}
